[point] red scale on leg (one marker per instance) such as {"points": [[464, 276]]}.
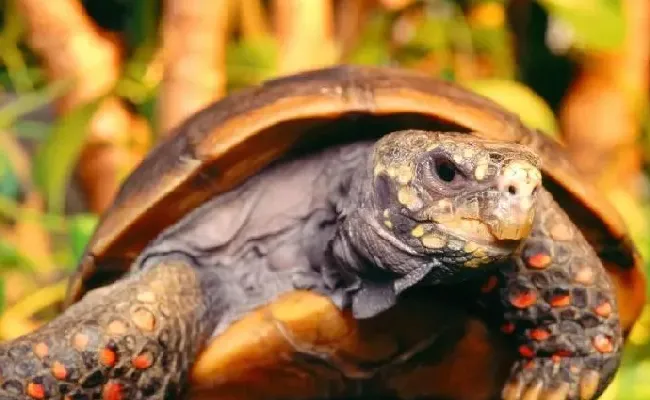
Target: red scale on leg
{"points": [[560, 355], [558, 295], [112, 391], [526, 351], [560, 300], [142, 361], [604, 309], [79, 351], [508, 328], [538, 260], [523, 299], [59, 371], [35, 390], [603, 344], [490, 284], [41, 350], [539, 334], [107, 357]]}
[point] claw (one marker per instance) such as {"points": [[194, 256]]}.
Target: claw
{"points": [[589, 385], [533, 391], [559, 393], [512, 390]]}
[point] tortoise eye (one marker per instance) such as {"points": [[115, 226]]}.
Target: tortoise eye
{"points": [[445, 169]]}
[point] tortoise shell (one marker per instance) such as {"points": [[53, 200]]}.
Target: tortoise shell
{"points": [[218, 148]]}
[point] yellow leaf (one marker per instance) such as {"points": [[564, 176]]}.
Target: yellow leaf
{"points": [[521, 100]]}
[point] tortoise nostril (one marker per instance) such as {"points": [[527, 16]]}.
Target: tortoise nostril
{"points": [[519, 179]]}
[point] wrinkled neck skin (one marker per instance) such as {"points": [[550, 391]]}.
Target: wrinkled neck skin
{"points": [[368, 265]]}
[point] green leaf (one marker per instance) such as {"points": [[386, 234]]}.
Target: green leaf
{"points": [[134, 84], [32, 75], [12, 258], [11, 210], [250, 61], [9, 183], [59, 152], [34, 130], [11, 54], [595, 24], [3, 296], [371, 47], [81, 227], [521, 100], [142, 20], [29, 102]]}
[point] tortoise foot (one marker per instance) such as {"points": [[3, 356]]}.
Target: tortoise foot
{"points": [[553, 379], [133, 340]]}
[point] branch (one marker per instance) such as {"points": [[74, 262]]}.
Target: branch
{"points": [[71, 47], [195, 34], [601, 114], [305, 32]]}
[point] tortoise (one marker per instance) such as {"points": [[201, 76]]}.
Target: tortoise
{"points": [[347, 232]]}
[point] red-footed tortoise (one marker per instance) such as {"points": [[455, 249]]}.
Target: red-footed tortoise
{"points": [[344, 233]]}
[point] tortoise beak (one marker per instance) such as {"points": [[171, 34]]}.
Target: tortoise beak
{"points": [[514, 211]]}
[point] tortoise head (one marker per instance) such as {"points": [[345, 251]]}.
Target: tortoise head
{"points": [[452, 194]]}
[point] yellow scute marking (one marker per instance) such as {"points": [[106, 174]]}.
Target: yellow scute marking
{"points": [[433, 241], [255, 341]]}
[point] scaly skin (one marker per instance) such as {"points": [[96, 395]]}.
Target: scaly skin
{"points": [[553, 296], [556, 300], [134, 339]]}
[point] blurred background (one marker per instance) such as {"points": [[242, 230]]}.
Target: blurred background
{"points": [[89, 86]]}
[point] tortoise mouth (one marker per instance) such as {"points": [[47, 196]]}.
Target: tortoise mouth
{"points": [[501, 239]]}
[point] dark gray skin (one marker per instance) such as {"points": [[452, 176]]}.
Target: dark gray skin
{"points": [[360, 223]]}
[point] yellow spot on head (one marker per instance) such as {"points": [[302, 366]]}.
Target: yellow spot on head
{"points": [[409, 198], [146, 297], [524, 168], [433, 241], [469, 152], [388, 224], [418, 231], [386, 213], [480, 171], [378, 169], [404, 174], [535, 174]]}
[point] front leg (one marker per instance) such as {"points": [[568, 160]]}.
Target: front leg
{"points": [[134, 339], [556, 300]]}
